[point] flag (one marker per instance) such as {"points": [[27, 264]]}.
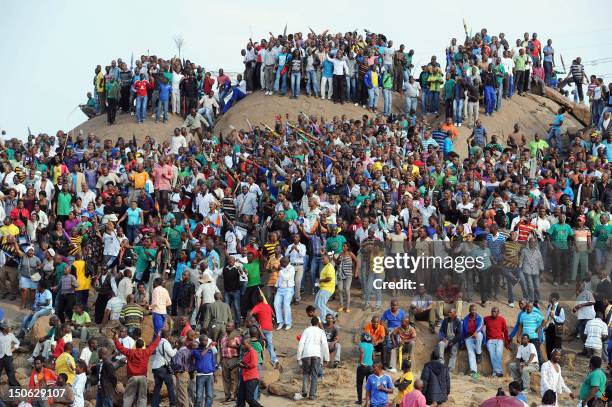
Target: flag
{"points": [[132, 61]]}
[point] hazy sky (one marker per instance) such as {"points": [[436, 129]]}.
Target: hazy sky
{"points": [[50, 48]]}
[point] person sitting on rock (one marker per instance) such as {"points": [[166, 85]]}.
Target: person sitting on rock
{"points": [[526, 362], [450, 337], [403, 339]]}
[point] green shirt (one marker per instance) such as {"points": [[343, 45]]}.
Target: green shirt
{"points": [[449, 87], [435, 82], [334, 243], [81, 319], [64, 203], [290, 214], [519, 62], [534, 146], [253, 276], [144, 257], [601, 233], [387, 81], [59, 271], [174, 236], [559, 234], [259, 349], [596, 378]]}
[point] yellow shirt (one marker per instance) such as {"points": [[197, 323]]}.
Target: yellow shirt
{"points": [[7, 230], [328, 272], [408, 376], [377, 166], [83, 282], [140, 179], [65, 364]]}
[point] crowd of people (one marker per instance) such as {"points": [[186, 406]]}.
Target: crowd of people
{"points": [[220, 237]]}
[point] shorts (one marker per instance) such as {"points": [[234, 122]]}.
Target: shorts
{"points": [[27, 283]]}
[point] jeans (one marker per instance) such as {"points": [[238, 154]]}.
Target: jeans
{"points": [[474, 347], [370, 287], [490, 99], [299, 276], [434, 101], [373, 97], [560, 263], [162, 376], [453, 353], [321, 303], [310, 370], [270, 346], [176, 100], [472, 113], [363, 372], [344, 288], [548, 69], [555, 133], [103, 401], [158, 322], [532, 282], [500, 95], [131, 231], [424, 99], [280, 81], [282, 305], [269, 77], [327, 82], [350, 88], [388, 98], [523, 375], [246, 393], [485, 283], [204, 390], [295, 84], [30, 320], [232, 298], [411, 104], [518, 83], [458, 111], [510, 86], [314, 268], [312, 86], [512, 276], [496, 352], [162, 107], [339, 92], [141, 108], [208, 115]]}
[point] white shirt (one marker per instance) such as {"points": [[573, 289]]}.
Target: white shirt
{"points": [[86, 355], [313, 343], [124, 288], [594, 330], [525, 352], [542, 226], [206, 293], [242, 86], [78, 388], [412, 89], [296, 256], [209, 102], [177, 142], [176, 80], [231, 242], [551, 379], [163, 353], [115, 305], [286, 277], [508, 64], [111, 244], [6, 344], [87, 197], [585, 312], [340, 66]]}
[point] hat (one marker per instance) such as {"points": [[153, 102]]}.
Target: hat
{"points": [[35, 277], [27, 249], [206, 278], [51, 252]]}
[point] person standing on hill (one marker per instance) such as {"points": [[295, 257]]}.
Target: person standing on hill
{"points": [[312, 351], [436, 380], [141, 88], [113, 94]]}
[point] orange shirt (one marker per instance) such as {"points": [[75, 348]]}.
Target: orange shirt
{"points": [[377, 334], [446, 127]]}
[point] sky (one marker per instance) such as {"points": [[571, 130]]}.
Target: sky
{"points": [[51, 48]]}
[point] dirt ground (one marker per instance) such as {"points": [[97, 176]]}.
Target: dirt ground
{"points": [[338, 385]]}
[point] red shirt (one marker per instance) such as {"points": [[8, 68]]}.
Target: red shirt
{"points": [[263, 312], [186, 329], [141, 87], [496, 328], [208, 84], [138, 359], [250, 372], [524, 229]]}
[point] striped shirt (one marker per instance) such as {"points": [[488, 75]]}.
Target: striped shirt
{"points": [[439, 136], [577, 71], [512, 254], [531, 321], [131, 315], [524, 230]]}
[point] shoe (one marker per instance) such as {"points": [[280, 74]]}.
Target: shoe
{"points": [[391, 370], [511, 304], [475, 375], [566, 284], [460, 124], [357, 104], [555, 284], [31, 359], [341, 309], [347, 310], [287, 327], [276, 364], [279, 327], [365, 307], [499, 374]]}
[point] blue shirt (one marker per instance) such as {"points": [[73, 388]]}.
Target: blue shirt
{"points": [[378, 398], [558, 120], [180, 267], [548, 58], [133, 216], [328, 68], [164, 91], [531, 321], [368, 351], [496, 246], [41, 298], [393, 321]]}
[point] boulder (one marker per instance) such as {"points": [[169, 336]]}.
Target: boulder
{"points": [[484, 367], [270, 375], [281, 389], [22, 376], [568, 360], [579, 111], [41, 328], [534, 382], [146, 327]]}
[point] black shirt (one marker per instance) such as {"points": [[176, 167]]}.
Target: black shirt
{"points": [[231, 278]]}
